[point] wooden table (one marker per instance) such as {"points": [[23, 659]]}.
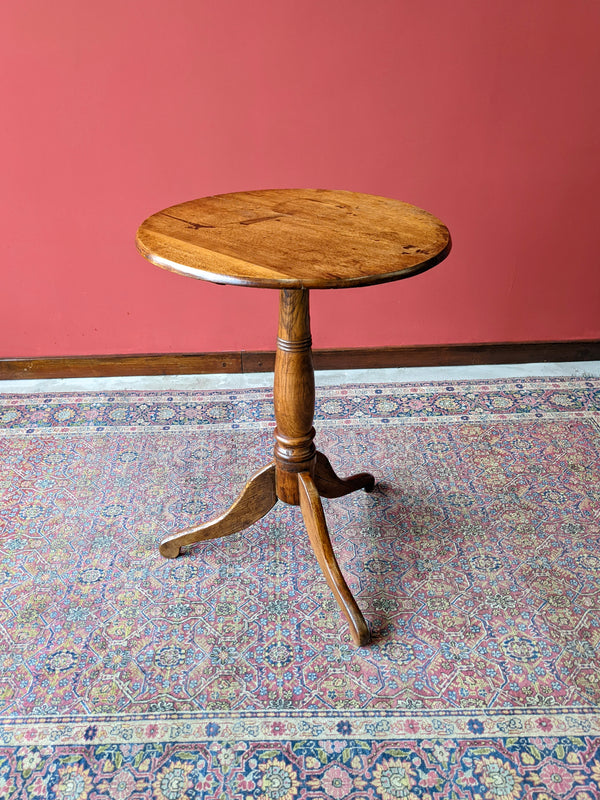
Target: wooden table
{"points": [[293, 240]]}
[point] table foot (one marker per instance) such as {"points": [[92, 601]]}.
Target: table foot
{"points": [[330, 485], [314, 519], [257, 498]]}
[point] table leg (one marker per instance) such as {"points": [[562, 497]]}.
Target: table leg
{"points": [[329, 485], [314, 519], [257, 499]]}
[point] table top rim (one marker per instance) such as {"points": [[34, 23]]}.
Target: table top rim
{"points": [[279, 282]]}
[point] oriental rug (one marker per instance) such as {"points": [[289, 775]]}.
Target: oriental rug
{"points": [[229, 672]]}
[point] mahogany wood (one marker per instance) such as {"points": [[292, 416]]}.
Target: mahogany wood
{"points": [[257, 499], [314, 519]]}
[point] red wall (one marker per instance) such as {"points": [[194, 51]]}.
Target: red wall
{"points": [[485, 113]]}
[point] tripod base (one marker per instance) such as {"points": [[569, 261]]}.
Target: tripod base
{"points": [[260, 495]]}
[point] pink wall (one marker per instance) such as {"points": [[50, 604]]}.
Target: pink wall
{"points": [[485, 113]]}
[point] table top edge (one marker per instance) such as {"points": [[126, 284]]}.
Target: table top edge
{"points": [[292, 283]]}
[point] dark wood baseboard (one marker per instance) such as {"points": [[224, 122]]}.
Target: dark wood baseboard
{"points": [[115, 366], [258, 361]]}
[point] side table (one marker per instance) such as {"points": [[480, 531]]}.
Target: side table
{"points": [[293, 240]]}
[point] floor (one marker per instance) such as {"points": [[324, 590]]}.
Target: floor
{"points": [[322, 378]]}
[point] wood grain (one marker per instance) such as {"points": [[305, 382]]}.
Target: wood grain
{"points": [[294, 238], [330, 485], [257, 499], [314, 519], [293, 394]]}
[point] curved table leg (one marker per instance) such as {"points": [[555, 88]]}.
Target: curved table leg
{"points": [[329, 485], [314, 519], [257, 498]]}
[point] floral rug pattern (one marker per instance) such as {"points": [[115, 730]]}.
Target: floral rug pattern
{"points": [[229, 672]]}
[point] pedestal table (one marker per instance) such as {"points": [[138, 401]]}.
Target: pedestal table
{"points": [[293, 240]]}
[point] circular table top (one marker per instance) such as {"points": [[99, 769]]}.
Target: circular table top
{"points": [[294, 238]]}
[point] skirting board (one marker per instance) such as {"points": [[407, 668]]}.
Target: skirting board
{"points": [[255, 361]]}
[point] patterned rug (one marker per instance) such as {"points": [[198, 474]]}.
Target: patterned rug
{"points": [[229, 672]]}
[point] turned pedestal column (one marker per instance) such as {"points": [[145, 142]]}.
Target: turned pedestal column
{"points": [[293, 396], [299, 475]]}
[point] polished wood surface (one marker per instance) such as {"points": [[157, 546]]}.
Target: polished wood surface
{"points": [[316, 526], [294, 238], [257, 498], [330, 485], [293, 394]]}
